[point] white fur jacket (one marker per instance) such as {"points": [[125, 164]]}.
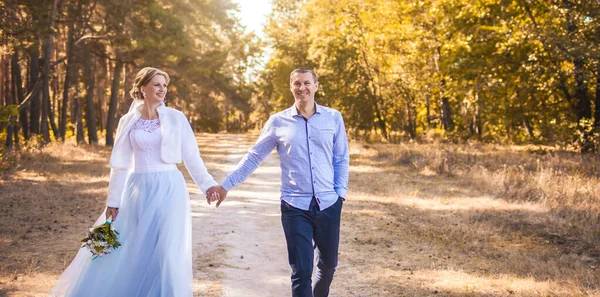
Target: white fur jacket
{"points": [[178, 144]]}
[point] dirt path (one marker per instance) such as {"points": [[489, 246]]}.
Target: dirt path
{"points": [[405, 232], [239, 248], [248, 255]]}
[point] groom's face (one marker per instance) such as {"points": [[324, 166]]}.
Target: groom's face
{"points": [[303, 86]]}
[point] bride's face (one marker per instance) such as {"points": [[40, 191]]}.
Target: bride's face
{"points": [[155, 90]]}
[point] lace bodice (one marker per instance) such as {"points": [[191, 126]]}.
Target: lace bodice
{"points": [[145, 137], [146, 125]]}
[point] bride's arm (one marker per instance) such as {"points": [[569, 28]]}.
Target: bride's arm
{"points": [[192, 160], [118, 175]]}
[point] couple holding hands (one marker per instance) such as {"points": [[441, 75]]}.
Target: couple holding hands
{"points": [[149, 202]]}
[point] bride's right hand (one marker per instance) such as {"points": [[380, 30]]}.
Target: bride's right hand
{"points": [[112, 212]]}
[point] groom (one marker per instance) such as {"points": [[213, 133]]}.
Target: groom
{"points": [[313, 150]]}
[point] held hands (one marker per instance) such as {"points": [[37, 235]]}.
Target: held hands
{"points": [[216, 193]]}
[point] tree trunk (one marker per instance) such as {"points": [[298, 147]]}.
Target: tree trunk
{"points": [[428, 104], [74, 99], [3, 97], [111, 121], [127, 86], [528, 127], [411, 114], [525, 119], [583, 105], [68, 77], [46, 74], [78, 115], [34, 73], [372, 92], [597, 100], [19, 93], [583, 108], [411, 123], [8, 99], [80, 136], [102, 74], [90, 109], [52, 110], [378, 115], [227, 117], [18, 96], [3, 83], [477, 116], [446, 118]]}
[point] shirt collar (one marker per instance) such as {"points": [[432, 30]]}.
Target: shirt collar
{"points": [[294, 109]]}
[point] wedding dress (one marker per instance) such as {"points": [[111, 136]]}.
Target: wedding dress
{"points": [[154, 223]]}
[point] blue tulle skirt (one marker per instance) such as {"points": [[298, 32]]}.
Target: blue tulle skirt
{"points": [[155, 258]]}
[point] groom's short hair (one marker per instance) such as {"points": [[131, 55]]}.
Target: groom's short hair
{"points": [[305, 70]]}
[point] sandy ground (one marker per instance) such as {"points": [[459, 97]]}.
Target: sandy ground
{"points": [[245, 232], [51, 199], [404, 232]]}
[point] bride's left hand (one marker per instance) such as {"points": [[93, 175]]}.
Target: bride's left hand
{"points": [[112, 212], [212, 195]]}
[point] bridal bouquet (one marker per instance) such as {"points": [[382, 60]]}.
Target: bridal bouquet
{"points": [[101, 239]]}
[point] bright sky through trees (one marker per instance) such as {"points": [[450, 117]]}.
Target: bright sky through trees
{"points": [[253, 14]]}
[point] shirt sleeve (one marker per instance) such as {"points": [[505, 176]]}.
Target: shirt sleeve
{"points": [[341, 159], [192, 160], [255, 156]]}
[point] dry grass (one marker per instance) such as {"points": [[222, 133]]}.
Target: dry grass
{"points": [[47, 203], [458, 220], [420, 220], [567, 183]]}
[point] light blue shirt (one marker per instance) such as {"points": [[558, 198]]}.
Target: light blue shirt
{"points": [[313, 153]]}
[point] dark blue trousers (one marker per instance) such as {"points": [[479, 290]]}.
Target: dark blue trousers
{"points": [[302, 228]]}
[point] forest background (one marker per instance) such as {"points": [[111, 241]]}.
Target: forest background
{"points": [[492, 70], [478, 120]]}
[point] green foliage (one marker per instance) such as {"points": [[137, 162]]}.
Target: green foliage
{"points": [[508, 70], [491, 70], [8, 157], [199, 43], [587, 137], [6, 112]]}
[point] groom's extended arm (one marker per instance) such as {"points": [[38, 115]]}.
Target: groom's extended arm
{"points": [[250, 162]]}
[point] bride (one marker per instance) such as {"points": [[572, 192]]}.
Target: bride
{"points": [[148, 201]]}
